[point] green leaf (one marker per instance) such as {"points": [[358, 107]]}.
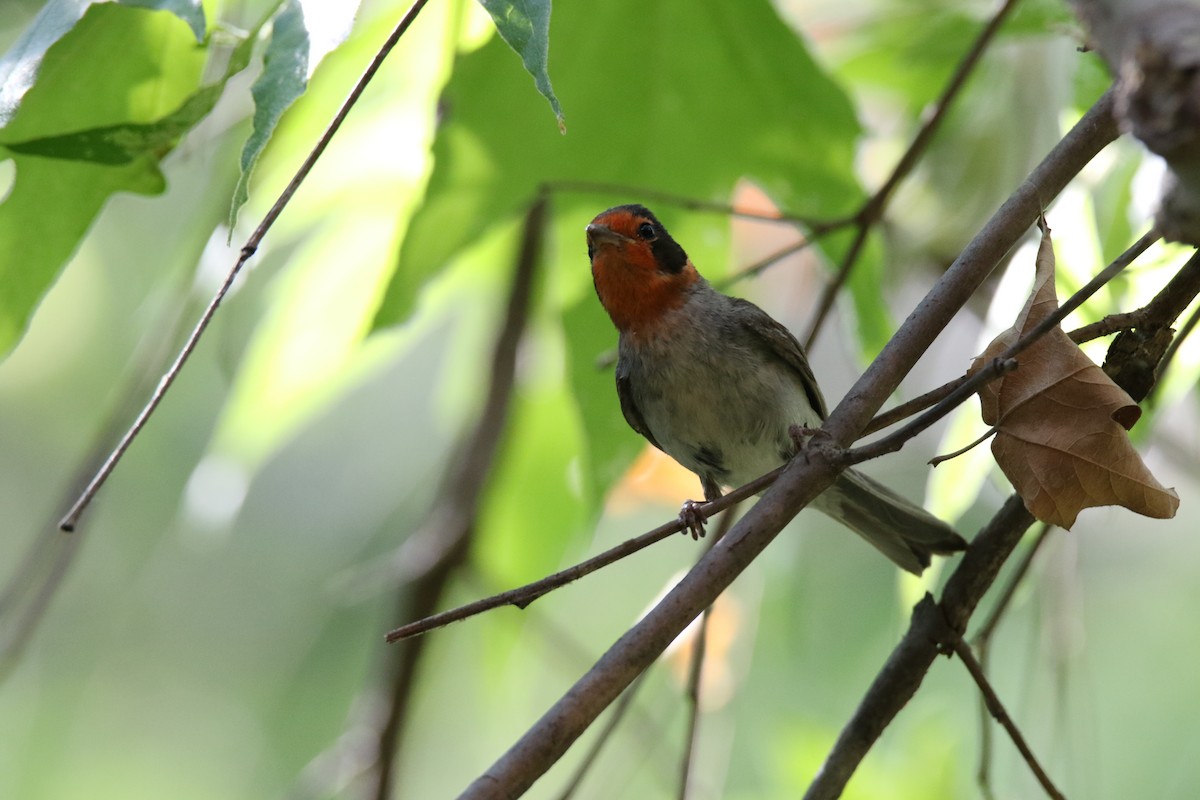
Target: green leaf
{"points": [[284, 78], [692, 99], [611, 445], [525, 25], [1112, 196], [123, 144], [867, 284], [129, 110], [655, 109], [535, 461], [19, 67], [190, 11]]}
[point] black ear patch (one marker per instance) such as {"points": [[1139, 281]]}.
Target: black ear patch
{"points": [[668, 253], [666, 250]]}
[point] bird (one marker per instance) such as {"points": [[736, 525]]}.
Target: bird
{"points": [[723, 388]]}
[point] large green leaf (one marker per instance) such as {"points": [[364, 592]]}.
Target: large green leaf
{"points": [[123, 111], [525, 25], [300, 37], [100, 124], [690, 99], [19, 67]]}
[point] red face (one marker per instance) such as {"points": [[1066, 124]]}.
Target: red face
{"points": [[639, 271]]}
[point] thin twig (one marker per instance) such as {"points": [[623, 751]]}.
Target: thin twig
{"points": [[901, 676], [894, 441], [830, 292], [914, 406], [982, 643], [71, 519], [983, 636], [815, 234], [940, 459], [872, 210], [695, 673], [963, 651], [1003, 363], [1111, 323], [932, 629], [1080, 297], [522, 596], [1086, 333], [682, 201]]}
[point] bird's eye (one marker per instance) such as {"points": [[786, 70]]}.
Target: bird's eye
{"points": [[647, 232]]}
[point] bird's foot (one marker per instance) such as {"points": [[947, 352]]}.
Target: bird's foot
{"points": [[800, 435], [693, 521]]}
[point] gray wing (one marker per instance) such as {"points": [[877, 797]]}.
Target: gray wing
{"points": [[780, 342], [629, 408]]}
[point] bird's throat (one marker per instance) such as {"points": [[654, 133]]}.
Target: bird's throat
{"points": [[637, 298]]}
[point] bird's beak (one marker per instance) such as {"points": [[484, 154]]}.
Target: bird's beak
{"points": [[599, 235]]}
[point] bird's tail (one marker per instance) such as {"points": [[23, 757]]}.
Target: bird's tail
{"points": [[906, 533]]}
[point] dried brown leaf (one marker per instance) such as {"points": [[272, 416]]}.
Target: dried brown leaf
{"points": [[1061, 422]]}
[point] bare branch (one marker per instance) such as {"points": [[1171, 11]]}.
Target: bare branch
{"points": [[830, 292], [815, 234], [1176, 343], [695, 672], [914, 406], [1106, 326], [1006, 361], [894, 441], [682, 201], [984, 634], [1095, 130], [614, 719], [522, 596], [71, 519]]}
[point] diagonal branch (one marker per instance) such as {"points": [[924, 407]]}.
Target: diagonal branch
{"points": [[682, 201], [802, 480], [522, 596], [982, 642], [963, 651]]}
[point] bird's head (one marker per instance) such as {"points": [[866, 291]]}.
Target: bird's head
{"points": [[640, 272]]}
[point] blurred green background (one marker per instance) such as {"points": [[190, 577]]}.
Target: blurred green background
{"points": [[215, 627]]}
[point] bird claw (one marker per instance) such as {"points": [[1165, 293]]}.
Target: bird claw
{"points": [[800, 435], [693, 522]]}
